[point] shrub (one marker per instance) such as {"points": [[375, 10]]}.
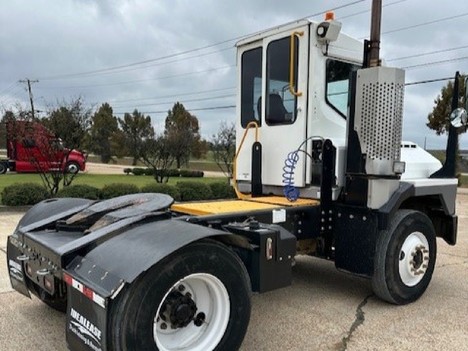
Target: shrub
{"points": [[24, 194], [168, 172], [222, 190], [173, 173], [127, 171], [82, 191], [186, 173], [190, 191], [149, 172], [118, 189], [170, 190], [138, 171]]}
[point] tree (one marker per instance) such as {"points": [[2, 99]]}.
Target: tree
{"points": [[182, 131], [438, 119], [223, 146], [7, 117], [200, 149], [104, 127], [156, 154], [41, 149], [136, 129], [70, 122]]}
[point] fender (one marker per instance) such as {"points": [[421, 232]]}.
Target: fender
{"points": [[50, 210], [414, 194], [124, 257]]}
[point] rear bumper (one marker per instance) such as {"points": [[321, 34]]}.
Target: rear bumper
{"points": [[87, 316]]}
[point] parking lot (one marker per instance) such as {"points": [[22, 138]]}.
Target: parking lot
{"points": [[322, 310]]}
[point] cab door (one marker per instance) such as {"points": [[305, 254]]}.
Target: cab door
{"points": [[284, 104]]}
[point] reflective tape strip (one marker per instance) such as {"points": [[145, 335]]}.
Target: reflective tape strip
{"points": [[81, 288]]}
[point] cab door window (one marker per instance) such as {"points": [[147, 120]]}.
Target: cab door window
{"points": [[251, 86], [281, 104]]}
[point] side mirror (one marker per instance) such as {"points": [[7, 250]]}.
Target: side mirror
{"points": [[459, 118]]}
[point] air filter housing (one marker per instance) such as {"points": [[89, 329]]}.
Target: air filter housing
{"points": [[378, 117]]}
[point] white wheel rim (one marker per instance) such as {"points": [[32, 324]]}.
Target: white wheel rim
{"points": [[211, 298], [413, 259], [72, 168]]}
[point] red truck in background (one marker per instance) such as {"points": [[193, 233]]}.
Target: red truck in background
{"points": [[32, 148]]}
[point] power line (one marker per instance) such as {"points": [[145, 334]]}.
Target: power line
{"points": [[426, 23], [140, 80], [428, 81], [12, 94], [173, 95], [427, 53], [189, 110], [8, 88], [184, 101], [105, 70], [421, 24], [435, 63], [143, 67], [366, 11], [113, 68]]}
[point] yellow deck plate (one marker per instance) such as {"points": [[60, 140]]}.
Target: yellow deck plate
{"points": [[282, 201], [232, 206]]}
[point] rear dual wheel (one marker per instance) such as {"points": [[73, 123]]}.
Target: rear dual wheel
{"points": [[197, 299], [405, 258]]}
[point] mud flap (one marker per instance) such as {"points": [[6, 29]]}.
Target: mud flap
{"points": [[16, 270], [86, 323]]}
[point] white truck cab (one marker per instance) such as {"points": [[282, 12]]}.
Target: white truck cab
{"points": [[293, 82]]}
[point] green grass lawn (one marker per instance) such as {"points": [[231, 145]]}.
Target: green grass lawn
{"points": [[205, 164], [98, 180]]}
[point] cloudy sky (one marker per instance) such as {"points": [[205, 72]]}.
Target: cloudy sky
{"points": [[147, 54]]}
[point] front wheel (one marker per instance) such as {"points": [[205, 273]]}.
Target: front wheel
{"points": [[197, 299], [405, 258]]}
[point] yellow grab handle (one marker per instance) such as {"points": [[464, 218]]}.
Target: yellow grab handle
{"points": [[249, 126], [291, 63]]}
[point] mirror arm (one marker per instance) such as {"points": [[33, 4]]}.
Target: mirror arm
{"points": [[449, 168]]}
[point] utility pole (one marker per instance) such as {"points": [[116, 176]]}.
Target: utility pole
{"points": [[374, 44], [28, 82]]}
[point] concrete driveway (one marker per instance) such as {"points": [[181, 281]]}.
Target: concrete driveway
{"points": [[322, 310]]}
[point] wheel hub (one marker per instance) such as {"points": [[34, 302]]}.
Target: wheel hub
{"points": [[413, 259], [179, 310], [193, 315]]}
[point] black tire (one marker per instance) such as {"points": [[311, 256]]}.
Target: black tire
{"points": [[3, 168], [72, 167], [134, 311], [401, 277]]}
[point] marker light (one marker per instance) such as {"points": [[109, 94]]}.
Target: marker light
{"points": [[329, 16]]}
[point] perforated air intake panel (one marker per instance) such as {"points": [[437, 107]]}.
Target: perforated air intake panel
{"points": [[378, 117]]}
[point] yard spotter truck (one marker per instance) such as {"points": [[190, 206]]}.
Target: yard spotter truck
{"points": [[141, 272]]}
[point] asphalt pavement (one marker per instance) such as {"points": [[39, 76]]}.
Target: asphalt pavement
{"points": [[322, 310]]}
